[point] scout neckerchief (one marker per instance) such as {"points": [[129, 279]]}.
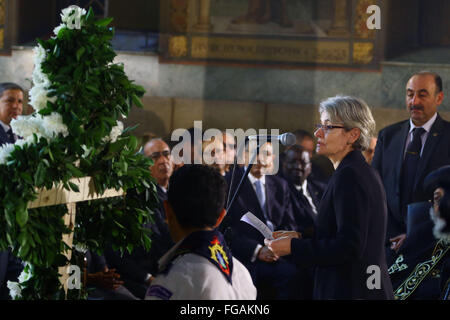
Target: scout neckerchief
{"points": [[208, 244]]}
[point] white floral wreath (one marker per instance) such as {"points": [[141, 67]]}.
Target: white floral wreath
{"points": [[50, 126]]}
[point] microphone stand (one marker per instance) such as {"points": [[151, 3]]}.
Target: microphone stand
{"points": [[228, 230]]}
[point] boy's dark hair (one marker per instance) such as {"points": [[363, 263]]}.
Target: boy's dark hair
{"points": [[197, 195], [9, 86]]}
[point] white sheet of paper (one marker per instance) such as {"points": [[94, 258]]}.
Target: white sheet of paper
{"points": [[252, 220]]}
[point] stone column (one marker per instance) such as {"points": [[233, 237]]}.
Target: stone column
{"points": [[204, 19], [340, 27]]}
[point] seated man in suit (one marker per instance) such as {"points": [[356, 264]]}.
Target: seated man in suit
{"points": [[321, 167], [137, 268], [104, 283], [305, 192], [268, 198], [11, 105]]}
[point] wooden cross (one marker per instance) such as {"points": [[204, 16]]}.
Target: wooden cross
{"points": [[59, 195]]}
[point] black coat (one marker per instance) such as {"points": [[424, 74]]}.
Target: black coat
{"points": [[388, 161], [3, 137], [10, 269], [351, 227], [416, 254]]}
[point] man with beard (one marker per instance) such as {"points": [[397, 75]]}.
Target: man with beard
{"points": [[136, 269], [407, 151], [423, 269]]}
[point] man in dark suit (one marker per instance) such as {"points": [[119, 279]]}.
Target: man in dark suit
{"points": [[11, 104], [136, 269], [407, 151], [267, 197], [305, 192], [321, 167]]}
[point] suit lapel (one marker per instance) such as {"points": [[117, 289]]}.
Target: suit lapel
{"points": [[3, 136], [303, 202], [314, 194], [269, 200], [433, 138]]}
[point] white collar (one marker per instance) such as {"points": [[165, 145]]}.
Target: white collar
{"points": [[427, 126], [303, 187], [253, 179]]}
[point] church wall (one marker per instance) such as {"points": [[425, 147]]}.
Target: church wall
{"points": [[245, 97]]}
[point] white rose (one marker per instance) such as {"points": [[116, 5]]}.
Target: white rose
{"points": [[115, 133], [71, 16], [38, 97], [5, 152], [40, 79], [58, 28], [24, 276], [54, 125], [39, 54], [87, 151], [26, 126], [15, 291]]}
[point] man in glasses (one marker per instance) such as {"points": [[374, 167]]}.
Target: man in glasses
{"points": [[162, 168], [136, 269]]}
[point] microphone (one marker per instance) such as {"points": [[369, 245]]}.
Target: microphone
{"points": [[286, 139]]}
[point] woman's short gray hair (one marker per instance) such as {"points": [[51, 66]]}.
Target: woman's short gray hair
{"points": [[352, 113]]}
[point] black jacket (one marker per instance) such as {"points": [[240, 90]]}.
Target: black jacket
{"points": [[388, 161], [351, 227]]}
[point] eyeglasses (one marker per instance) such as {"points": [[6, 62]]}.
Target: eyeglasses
{"points": [[326, 127], [157, 155]]}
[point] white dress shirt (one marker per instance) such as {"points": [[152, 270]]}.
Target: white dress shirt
{"points": [[253, 179], [304, 189]]}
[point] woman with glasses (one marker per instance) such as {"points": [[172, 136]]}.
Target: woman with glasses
{"points": [[347, 249]]}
